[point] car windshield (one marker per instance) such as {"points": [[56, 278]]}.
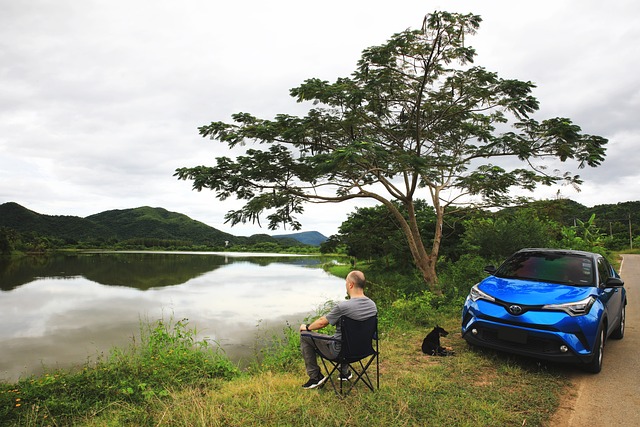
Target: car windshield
{"points": [[564, 268]]}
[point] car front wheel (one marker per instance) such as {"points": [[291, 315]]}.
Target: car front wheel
{"points": [[595, 365]]}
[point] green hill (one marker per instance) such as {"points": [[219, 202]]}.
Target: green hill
{"points": [[115, 225], [312, 238], [158, 223], [147, 223], [68, 228]]}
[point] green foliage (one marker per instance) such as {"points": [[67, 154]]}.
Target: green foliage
{"points": [[621, 221], [168, 357], [387, 240], [584, 236], [333, 245], [389, 282], [497, 236], [424, 308], [417, 309], [339, 269], [8, 240], [460, 275], [175, 345]]}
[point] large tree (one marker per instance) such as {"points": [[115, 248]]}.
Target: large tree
{"points": [[415, 119]]}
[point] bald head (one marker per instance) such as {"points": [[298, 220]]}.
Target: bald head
{"points": [[357, 279]]}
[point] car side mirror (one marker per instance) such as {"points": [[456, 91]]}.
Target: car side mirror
{"points": [[614, 282], [490, 269]]}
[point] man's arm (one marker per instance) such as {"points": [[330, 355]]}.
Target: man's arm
{"points": [[319, 323]]}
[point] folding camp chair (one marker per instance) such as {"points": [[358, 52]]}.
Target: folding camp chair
{"points": [[357, 350]]}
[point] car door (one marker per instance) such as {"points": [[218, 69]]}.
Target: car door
{"points": [[611, 297]]}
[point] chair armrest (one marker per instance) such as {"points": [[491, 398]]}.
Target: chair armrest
{"points": [[319, 337]]}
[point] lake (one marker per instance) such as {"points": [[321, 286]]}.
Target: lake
{"points": [[62, 310]]}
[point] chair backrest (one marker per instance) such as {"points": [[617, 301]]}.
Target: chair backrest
{"points": [[357, 338]]}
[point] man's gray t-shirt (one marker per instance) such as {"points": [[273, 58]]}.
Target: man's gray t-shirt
{"points": [[354, 308]]}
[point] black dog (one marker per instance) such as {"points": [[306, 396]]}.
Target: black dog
{"points": [[431, 343]]}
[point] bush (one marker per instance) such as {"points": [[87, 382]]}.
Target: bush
{"points": [[458, 277], [417, 309], [498, 237]]}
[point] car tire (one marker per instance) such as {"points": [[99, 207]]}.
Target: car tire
{"points": [[618, 333], [595, 366]]}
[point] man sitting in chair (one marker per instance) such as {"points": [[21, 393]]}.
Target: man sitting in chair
{"points": [[357, 307]]}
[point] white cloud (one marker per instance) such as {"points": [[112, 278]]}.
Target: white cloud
{"points": [[100, 100]]}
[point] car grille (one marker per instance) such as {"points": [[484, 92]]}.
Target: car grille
{"points": [[533, 344]]}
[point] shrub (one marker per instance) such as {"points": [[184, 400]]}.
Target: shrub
{"points": [[458, 277]]}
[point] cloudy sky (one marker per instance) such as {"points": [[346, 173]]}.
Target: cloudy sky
{"points": [[100, 100]]}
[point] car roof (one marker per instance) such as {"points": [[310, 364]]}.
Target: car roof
{"points": [[560, 251]]}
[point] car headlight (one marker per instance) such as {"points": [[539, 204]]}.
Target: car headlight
{"points": [[475, 294], [578, 308]]}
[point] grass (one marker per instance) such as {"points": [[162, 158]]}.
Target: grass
{"points": [[170, 379], [470, 389]]}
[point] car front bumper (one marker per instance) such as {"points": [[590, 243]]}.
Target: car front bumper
{"points": [[550, 336]]}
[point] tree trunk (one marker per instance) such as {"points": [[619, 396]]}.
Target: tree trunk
{"points": [[424, 261]]}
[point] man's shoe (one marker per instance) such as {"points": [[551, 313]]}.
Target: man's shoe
{"points": [[313, 383], [346, 377]]}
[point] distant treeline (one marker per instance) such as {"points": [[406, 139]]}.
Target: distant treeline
{"points": [[139, 228]]}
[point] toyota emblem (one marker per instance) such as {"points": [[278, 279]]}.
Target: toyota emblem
{"points": [[515, 309]]}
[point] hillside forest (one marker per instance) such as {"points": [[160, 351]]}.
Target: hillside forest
{"points": [[26, 231], [491, 235]]}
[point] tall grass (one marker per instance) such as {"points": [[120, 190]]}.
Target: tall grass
{"points": [[473, 388], [167, 358]]}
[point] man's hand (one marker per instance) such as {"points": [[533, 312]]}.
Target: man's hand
{"points": [[319, 323]]}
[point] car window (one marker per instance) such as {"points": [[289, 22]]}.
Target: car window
{"points": [[604, 271], [549, 267]]}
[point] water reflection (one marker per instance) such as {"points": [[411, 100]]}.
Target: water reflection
{"points": [[65, 309], [141, 270]]}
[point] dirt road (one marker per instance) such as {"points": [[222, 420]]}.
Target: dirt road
{"points": [[612, 397]]}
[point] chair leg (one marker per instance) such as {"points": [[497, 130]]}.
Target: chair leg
{"points": [[330, 372], [363, 375]]}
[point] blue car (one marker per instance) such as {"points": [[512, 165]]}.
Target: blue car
{"points": [[550, 304]]}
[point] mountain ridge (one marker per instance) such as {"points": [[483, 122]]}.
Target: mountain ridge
{"points": [[134, 223]]}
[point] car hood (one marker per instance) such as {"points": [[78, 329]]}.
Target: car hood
{"points": [[529, 292]]}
